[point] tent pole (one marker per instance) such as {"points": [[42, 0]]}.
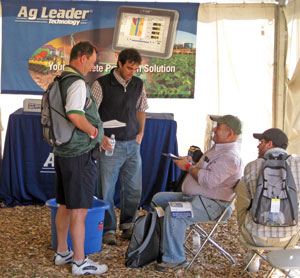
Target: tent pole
{"points": [[279, 72]]}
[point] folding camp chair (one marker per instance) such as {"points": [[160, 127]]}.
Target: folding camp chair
{"points": [[260, 250], [207, 236], [287, 259]]}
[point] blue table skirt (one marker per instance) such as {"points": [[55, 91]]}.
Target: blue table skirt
{"points": [[27, 175]]}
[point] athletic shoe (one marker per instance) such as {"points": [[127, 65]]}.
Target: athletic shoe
{"points": [[126, 234], [88, 267], [66, 259], [109, 238]]}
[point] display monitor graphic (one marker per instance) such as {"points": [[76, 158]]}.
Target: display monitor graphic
{"points": [[150, 31], [136, 28]]}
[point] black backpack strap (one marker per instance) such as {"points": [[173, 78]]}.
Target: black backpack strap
{"points": [[262, 168], [287, 157], [250, 205]]}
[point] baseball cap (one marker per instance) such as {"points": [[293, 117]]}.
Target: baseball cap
{"points": [[232, 121], [276, 135]]}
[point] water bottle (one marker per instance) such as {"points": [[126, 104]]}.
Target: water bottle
{"points": [[273, 219], [196, 242], [112, 141], [255, 264]]}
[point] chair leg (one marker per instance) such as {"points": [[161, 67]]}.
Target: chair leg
{"points": [[287, 274], [270, 272], [196, 228], [246, 267], [223, 252], [187, 237], [195, 255]]}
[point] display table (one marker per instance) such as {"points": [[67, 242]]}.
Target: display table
{"points": [[27, 175]]}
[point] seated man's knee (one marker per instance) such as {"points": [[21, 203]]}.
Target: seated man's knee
{"points": [[155, 200]]}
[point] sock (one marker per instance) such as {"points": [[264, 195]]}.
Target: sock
{"points": [[64, 253], [79, 262]]}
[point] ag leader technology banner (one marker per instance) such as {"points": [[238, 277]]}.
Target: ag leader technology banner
{"points": [[38, 36]]}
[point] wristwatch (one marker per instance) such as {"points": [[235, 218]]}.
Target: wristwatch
{"points": [[191, 168]]}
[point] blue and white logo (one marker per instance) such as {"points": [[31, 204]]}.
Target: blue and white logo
{"points": [[48, 167], [71, 16]]}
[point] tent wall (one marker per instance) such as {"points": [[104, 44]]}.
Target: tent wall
{"points": [[280, 47], [235, 64], [292, 80]]}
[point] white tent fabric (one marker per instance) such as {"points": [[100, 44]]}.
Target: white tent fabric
{"points": [[235, 66], [292, 107]]}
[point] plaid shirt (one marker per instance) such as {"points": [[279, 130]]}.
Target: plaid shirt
{"points": [[251, 174], [141, 105]]}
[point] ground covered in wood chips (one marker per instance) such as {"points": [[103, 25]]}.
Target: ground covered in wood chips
{"points": [[26, 250]]}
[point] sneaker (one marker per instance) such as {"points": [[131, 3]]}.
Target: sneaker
{"points": [[126, 234], [88, 267], [109, 239], [254, 265], [166, 267], [60, 259]]}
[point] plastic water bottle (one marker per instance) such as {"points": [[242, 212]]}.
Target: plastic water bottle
{"points": [[196, 242], [112, 141], [254, 265]]}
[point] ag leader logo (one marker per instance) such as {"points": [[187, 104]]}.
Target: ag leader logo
{"points": [[48, 167], [53, 16]]}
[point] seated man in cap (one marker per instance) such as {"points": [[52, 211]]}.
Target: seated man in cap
{"points": [[208, 186], [273, 141]]}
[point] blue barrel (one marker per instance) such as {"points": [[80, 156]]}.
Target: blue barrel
{"points": [[94, 224]]}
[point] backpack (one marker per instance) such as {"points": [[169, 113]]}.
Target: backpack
{"points": [[57, 129], [145, 243], [276, 200]]}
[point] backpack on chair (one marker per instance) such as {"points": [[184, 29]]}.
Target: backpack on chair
{"points": [[276, 201]]}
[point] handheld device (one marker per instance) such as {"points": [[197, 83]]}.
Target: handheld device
{"points": [[173, 156]]}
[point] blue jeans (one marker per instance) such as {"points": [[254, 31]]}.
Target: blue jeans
{"points": [[125, 163], [175, 228]]}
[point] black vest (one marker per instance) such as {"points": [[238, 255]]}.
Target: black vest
{"points": [[120, 105]]}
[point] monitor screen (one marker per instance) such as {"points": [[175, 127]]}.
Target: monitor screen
{"points": [[150, 31]]}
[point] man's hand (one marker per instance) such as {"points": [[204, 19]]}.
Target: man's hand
{"points": [[181, 163], [106, 145], [139, 137], [81, 122]]}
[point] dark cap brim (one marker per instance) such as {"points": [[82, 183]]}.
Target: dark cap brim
{"points": [[214, 117], [258, 136], [218, 119]]}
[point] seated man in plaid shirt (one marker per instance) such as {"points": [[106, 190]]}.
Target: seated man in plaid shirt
{"points": [[272, 141]]}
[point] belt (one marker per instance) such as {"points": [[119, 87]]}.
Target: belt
{"points": [[123, 140]]}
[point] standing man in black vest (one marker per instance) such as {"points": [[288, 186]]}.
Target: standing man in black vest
{"points": [[121, 96]]}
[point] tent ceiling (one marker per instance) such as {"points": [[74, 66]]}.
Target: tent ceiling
{"points": [[281, 2]]}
